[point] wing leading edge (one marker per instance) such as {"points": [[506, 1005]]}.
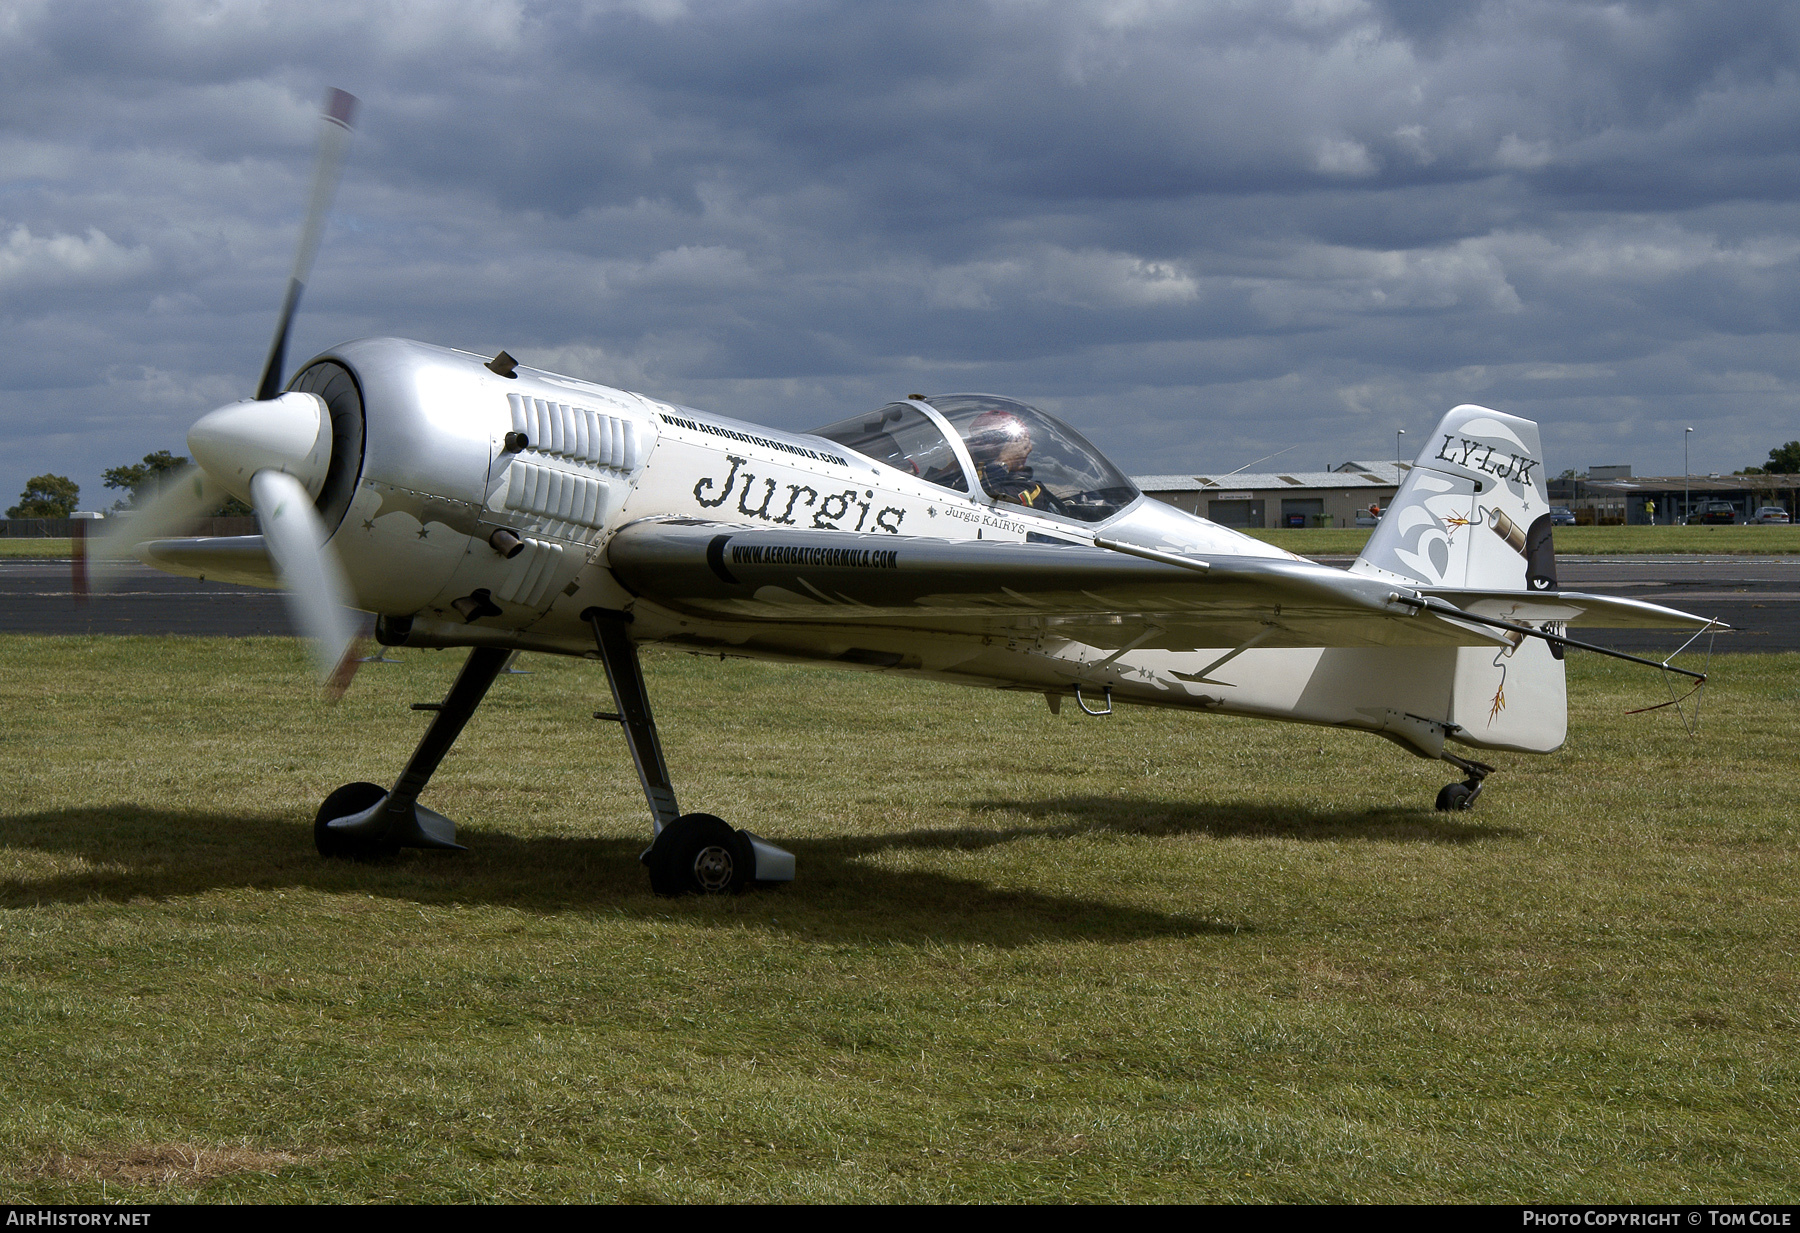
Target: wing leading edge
{"points": [[243, 559]]}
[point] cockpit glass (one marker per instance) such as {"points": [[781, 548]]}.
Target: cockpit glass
{"points": [[1028, 458], [904, 437]]}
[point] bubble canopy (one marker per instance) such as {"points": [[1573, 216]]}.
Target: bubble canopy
{"points": [[1021, 455]]}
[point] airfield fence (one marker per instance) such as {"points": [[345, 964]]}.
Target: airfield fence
{"points": [[64, 528]]}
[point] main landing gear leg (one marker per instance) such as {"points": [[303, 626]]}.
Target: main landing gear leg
{"points": [[362, 820], [1459, 796], [693, 853]]}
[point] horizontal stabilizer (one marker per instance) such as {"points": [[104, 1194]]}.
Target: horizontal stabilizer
{"points": [[1572, 608]]}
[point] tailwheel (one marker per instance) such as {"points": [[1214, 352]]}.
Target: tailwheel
{"points": [[352, 798], [1458, 796], [699, 854]]}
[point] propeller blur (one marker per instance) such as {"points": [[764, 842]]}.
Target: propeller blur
{"points": [[273, 452]]}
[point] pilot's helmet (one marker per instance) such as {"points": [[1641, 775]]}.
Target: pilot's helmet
{"points": [[992, 431]]}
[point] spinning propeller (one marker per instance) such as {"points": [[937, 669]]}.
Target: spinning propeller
{"points": [[273, 451]]}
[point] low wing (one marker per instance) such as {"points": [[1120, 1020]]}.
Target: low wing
{"points": [[243, 559], [1101, 597]]}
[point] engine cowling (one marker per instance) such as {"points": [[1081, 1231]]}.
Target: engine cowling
{"points": [[477, 496]]}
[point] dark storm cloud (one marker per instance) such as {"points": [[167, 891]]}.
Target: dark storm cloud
{"points": [[1203, 231]]}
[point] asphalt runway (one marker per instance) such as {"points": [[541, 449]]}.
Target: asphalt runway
{"points": [[38, 597], [1758, 596]]}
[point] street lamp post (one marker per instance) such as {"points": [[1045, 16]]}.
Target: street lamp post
{"points": [[1398, 433], [1687, 471]]}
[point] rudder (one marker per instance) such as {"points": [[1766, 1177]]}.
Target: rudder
{"points": [[1474, 513]]}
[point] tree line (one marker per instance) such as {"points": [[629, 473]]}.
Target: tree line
{"points": [[56, 496], [1783, 460]]}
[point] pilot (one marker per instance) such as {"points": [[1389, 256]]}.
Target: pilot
{"points": [[999, 443]]}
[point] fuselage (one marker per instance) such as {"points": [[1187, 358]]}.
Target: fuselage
{"points": [[453, 452], [471, 508]]}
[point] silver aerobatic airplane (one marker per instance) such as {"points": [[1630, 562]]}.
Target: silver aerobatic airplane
{"points": [[475, 502]]}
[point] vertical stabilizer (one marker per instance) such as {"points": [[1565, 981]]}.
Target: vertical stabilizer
{"points": [[1474, 513]]}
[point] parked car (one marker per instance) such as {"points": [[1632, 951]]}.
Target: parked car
{"points": [[1771, 513], [1713, 513], [1561, 516]]}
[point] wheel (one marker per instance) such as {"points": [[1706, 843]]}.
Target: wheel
{"points": [[1455, 798], [349, 799], [699, 854]]}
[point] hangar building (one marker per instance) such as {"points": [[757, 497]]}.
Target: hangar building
{"points": [[1610, 496], [1338, 497]]}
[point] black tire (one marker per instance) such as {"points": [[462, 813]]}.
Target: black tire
{"points": [[699, 854], [349, 799], [1455, 798]]}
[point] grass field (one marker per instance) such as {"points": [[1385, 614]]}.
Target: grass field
{"points": [[1156, 957], [51, 549]]}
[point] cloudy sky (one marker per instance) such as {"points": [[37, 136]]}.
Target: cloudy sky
{"points": [[1202, 231]]}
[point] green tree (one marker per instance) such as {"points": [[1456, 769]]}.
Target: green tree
{"points": [[47, 496], [145, 479], [142, 480], [1784, 460]]}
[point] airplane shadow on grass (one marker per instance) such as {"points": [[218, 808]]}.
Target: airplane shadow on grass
{"points": [[132, 853], [1080, 815]]}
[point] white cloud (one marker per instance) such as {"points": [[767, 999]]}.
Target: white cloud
{"points": [[968, 285], [29, 262], [1097, 279], [1343, 158], [180, 393], [703, 267], [1087, 278], [1647, 252], [1323, 281], [1516, 154], [1566, 372], [1411, 138]]}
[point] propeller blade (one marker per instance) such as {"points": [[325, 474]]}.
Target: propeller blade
{"points": [[334, 143], [314, 582], [184, 498]]}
